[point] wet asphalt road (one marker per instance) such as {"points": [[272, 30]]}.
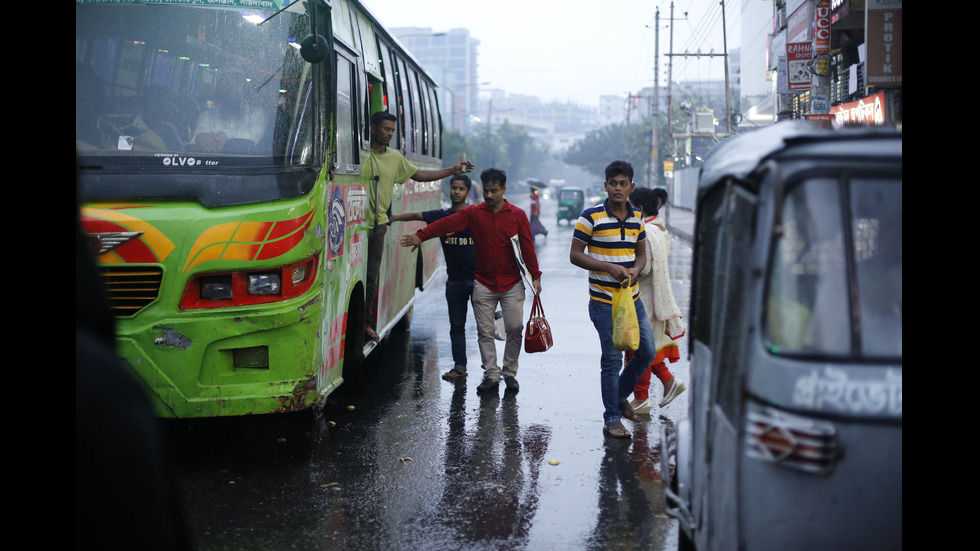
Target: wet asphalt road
{"points": [[409, 461]]}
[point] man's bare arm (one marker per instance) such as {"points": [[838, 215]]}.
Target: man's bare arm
{"points": [[407, 217], [461, 167]]}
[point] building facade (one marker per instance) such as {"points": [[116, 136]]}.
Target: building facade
{"points": [[836, 59]]}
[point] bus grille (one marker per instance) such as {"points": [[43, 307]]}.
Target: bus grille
{"points": [[131, 288]]}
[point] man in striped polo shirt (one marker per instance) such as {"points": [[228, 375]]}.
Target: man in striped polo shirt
{"points": [[613, 233]]}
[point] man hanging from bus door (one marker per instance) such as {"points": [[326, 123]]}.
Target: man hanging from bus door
{"points": [[498, 279], [458, 250], [386, 167]]}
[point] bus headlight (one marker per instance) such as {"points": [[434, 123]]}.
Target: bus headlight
{"points": [[247, 287], [269, 283], [216, 287]]}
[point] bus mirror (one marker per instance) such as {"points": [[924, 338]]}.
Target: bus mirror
{"points": [[313, 48]]}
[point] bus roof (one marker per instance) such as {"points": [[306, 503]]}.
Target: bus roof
{"points": [[383, 31]]}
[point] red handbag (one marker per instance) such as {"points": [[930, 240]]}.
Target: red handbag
{"points": [[537, 335]]}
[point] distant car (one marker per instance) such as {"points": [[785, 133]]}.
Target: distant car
{"points": [[794, 434]]}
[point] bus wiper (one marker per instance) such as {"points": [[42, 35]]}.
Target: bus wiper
{"points": [[284, 8]]}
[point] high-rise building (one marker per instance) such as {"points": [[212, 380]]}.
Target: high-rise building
{"points": [[451, 56]]}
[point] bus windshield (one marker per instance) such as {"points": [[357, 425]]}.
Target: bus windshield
{"points": [[207, 85]]}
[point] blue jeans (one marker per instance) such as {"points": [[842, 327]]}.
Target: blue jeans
{"points": [[617, 386], [458, 295]]}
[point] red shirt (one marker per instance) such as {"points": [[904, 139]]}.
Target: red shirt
{"points": [[496, 267]]}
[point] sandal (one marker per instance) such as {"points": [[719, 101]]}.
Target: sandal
{"points": [[616, 430], [454, 374], [627, 410]]}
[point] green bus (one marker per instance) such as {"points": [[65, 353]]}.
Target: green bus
{"points": [[219, 146]]}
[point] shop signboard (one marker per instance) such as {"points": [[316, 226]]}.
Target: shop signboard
{"points": [[869, 110], [883, 24], [798, 57]]}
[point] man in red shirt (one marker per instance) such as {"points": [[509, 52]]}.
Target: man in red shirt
{"points": [[498, 275]]}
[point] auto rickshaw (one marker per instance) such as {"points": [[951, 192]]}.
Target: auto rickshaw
{"points": [[793, 438], [571, 202]]}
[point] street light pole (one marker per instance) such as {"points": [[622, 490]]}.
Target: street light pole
{"points": [[462, 116]]}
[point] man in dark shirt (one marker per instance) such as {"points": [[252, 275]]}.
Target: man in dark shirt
{"points": [[497, 276], [457, 248]]}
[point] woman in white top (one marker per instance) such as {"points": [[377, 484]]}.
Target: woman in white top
{"points": [[658, 301]]}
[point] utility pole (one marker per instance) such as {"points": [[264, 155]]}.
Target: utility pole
{"points": [[671, 54], [728, 92], [670, 86], [654, 169]]}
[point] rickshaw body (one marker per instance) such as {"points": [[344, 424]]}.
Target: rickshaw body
{"points": [[571, 202], [793, 438]]}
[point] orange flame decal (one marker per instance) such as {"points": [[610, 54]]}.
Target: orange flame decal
{"points": [[248, 240], [153, 245]]}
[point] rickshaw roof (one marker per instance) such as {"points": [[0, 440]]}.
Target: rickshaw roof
{"points": [[741, 155]]}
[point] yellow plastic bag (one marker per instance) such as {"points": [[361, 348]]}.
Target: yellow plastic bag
{"points": [[626, 329]]}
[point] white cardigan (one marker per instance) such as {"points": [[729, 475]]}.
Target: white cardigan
{"points": [[655, 289]]}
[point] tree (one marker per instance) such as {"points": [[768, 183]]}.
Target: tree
{"points": [[629, 142], [518, 148], [508, 147], [632, 142]]}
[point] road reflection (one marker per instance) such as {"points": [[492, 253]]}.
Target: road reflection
{"points": [[630, 495], [492, 474]]}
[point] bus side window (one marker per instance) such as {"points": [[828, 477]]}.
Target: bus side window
{"points": [[423, 127], [373, 102], [417, 115], [347, 147], [436, 124], [389, 88], [406, 114]]}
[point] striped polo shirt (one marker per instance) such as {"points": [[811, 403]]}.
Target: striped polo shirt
{"points": [[610, 240]]}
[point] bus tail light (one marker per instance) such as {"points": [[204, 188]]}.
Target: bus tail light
{"points": [[250, 287], [792, 441]]}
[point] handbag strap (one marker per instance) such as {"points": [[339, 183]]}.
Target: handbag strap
{"points": [[537, 310]]}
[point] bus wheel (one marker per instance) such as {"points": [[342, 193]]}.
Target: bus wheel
{"points": [[354, 342]]}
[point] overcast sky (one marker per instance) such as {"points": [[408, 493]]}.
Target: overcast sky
{"points": [[575, 51]]}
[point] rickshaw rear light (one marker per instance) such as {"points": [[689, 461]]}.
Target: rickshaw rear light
{"points": [[792, 441]]}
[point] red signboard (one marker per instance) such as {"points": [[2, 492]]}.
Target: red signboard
{"points": [[821, 28], [869, 110], [798, 56]]}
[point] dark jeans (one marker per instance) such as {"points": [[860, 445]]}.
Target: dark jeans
{"points": [[376, 248], [458, 295], [617, 381]]}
